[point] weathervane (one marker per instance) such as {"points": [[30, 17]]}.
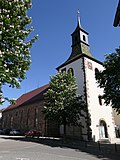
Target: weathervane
{"points": [[78, 17]]}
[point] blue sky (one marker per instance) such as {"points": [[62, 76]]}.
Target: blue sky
{"points": [[54, 21]]}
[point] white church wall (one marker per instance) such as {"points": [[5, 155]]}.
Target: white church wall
{"points": [[77, 67], [98, 112], [116, 117]]}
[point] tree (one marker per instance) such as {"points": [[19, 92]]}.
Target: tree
{"points": [[62, 104], [109, 80], [14, 47]]}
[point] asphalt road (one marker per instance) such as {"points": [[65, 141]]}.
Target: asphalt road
{"points": [[20, 148]]}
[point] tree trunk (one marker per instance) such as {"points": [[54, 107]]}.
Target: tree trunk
{"points": [[64, 135]]}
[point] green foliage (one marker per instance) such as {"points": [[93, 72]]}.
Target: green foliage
{"points": [[62, 104], [14, 48], [109, 80]]}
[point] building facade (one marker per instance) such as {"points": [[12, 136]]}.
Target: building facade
{"points": [[1, 117], [84, 66], [26, 114], [100, 121]]}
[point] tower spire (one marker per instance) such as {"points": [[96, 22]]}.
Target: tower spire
{"points": [[78, 18]]}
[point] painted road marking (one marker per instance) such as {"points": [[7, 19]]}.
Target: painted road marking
{"points": [[4, 151], [23, 158]]}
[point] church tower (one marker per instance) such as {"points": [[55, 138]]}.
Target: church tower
{"points": [[79, 41], [99, 122]]}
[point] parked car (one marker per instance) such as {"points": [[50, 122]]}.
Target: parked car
{"points": [[15, 132], [33, 133], [1, 131], [6, 131]]}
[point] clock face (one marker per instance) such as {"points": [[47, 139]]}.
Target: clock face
{"points": [[89, 64]]}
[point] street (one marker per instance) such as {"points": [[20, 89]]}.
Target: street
{"points": [[19, 148]]}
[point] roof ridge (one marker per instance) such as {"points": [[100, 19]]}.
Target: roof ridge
{"points": [[35, 89], [26, 97]]}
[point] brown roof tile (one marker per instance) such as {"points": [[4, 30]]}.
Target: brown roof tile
{"points": [[25, 97]]}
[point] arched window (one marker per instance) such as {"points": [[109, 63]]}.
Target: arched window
{"points": [[71, 70], [35, 118], [11, 122], [63, 70], [16, 114], [84, 38], [100, 99], [21, 118], [27, 122], [96, 70]]}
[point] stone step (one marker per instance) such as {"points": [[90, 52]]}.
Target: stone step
{"points": [[104, 140]]}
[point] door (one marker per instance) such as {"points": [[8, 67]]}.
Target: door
{"points": [[102, 132], [103, 129]]}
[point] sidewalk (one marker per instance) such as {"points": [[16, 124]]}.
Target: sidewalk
{"points": [[107, 151], [101, 147]]}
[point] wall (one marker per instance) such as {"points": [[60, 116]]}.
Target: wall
{"points": [[29, 117], [117, 118], [98, 112], [79, 75]]}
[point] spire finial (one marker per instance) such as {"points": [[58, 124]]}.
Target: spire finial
{"points": [[78, 18]]}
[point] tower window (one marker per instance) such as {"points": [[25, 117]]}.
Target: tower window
{"points": [[63, 70], [96, 71], [84, 38], [100, 100], [71, 70]]}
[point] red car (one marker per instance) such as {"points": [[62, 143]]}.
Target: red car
{"points": [[33, 133]]}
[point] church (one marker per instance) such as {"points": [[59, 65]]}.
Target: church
{"points": [[100, 124]]}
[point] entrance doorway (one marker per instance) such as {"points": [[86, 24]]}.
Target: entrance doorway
{"points": [[103, 129]]}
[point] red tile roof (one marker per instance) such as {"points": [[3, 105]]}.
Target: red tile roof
{"points": [[25, 97]]}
